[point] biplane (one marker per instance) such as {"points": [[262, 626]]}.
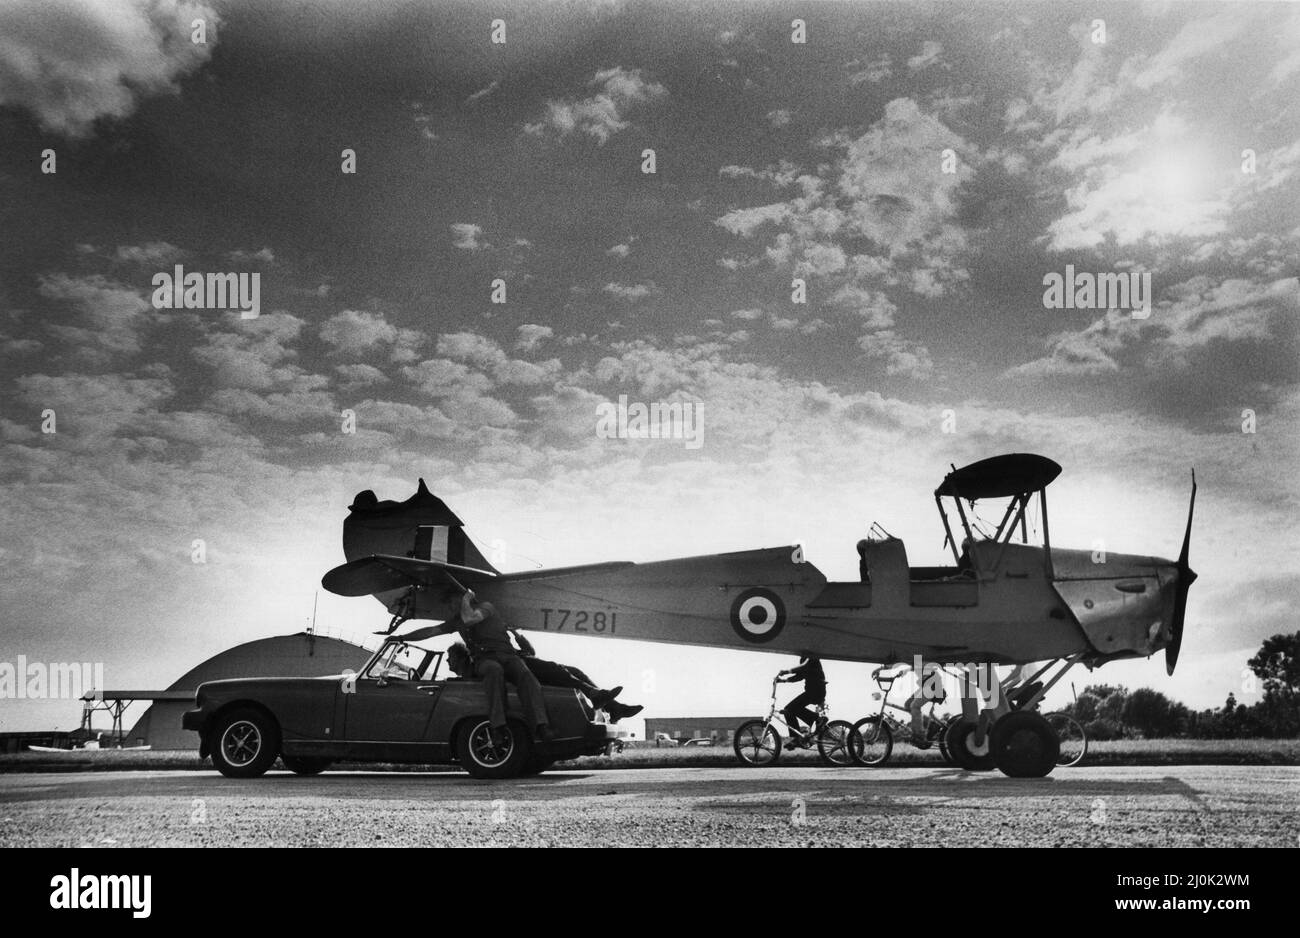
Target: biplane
{"points": [[1003, 601]]}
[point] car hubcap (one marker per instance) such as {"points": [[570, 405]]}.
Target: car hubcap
{"points": [[241, 743]]}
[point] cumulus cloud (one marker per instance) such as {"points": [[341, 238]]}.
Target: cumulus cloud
{"points": [[467, 236], [602, 114], [154, 253], [929, 54], [531, 335], [631, 292], [108, 317], [72, 62]]}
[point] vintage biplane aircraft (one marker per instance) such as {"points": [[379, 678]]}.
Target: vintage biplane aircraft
{"points": [[1002, 601]]}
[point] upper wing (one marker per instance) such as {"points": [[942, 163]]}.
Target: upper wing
{"points": [[382, 573]]}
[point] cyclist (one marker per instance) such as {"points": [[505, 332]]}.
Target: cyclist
{"points": [[920, 699], [809, 670]]}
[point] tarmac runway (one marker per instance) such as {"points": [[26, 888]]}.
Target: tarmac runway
{"points": [[1159, 806]]}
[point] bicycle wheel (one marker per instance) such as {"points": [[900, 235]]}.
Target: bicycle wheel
{"points": [[756, 743], [943, 743], [871, 742], [1074, 741], [833, 742]]}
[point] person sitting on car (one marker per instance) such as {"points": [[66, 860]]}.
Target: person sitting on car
{"points": [[551, 674], [496, 662]]}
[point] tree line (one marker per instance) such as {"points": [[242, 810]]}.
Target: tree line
{"points": [[1112, 712]]}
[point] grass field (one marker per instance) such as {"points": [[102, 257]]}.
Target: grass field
{"points": [[1122, 752]]}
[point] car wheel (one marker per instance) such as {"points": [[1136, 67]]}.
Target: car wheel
{"points": [[537, 765], [483, 757], [305, 765], [244, 743]]}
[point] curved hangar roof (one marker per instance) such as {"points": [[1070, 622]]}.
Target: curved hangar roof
{"points": [[297, 655], [1000, 477]]}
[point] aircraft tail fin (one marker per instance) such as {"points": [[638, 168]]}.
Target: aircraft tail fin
{"points": [[422, 527]]}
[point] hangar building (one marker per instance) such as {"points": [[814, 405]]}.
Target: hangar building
{"points": [[299, 655]]}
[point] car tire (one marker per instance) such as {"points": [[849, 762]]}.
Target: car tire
{"points": [[245, 743], [482, 760], [305, 765], [537, 765]]}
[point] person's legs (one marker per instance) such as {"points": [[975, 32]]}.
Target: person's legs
{"points": [[797, 710], [916, 705], [492, 675], [530, 691], [550, 674]]}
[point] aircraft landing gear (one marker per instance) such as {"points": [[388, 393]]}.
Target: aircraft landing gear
{"points": [[960, 740], [1023, 744]]}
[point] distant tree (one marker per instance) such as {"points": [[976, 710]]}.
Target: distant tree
{"points": [[1277, 664], [1150, 712]]}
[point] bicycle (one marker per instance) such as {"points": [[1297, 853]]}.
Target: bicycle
{"points": [[872, 739], [1074, 741], [757, 743]]}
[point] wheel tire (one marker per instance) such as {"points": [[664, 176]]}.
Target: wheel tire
{"points": [[245, 743], [536, 765], [960, 747], [1073, 738], [833, 743], [871, 742], [756, 743], [481, 759], [1024, 745], [943, 745], [305, 765]]}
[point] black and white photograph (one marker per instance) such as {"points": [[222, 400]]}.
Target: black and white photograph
{"points": [[602, 423]]}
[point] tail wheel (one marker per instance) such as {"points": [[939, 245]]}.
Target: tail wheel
{"points": [[756, 743], [244, 743], [833, 743], [303, 765], [487, 754], [961, 746], [1024, 745], [871, 742], [1074, 741]]}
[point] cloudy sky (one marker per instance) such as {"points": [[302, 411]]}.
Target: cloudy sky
{"points": [[920, 167]]}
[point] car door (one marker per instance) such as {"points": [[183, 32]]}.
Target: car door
{"points": [[389, 718]]}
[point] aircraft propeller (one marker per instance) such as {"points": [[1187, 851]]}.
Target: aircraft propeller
{"points": [[1186, 576]]}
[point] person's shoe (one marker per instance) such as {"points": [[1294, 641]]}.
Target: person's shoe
{"points": [[617, 711], [544, 733], [615, 692], [601, 699]]}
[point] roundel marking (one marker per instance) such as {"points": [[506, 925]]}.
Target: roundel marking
{"points": [[758, 615]]}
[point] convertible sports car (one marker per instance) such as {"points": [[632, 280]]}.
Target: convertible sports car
{"points": [[395, 710]]}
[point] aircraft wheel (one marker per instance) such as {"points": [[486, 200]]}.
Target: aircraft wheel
{"points": [[756, 743], [305, 765], [871, 742], [1024, 744], [962, 748], [244, 743], [484, 757], [833, 743], [1074, 741]]}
